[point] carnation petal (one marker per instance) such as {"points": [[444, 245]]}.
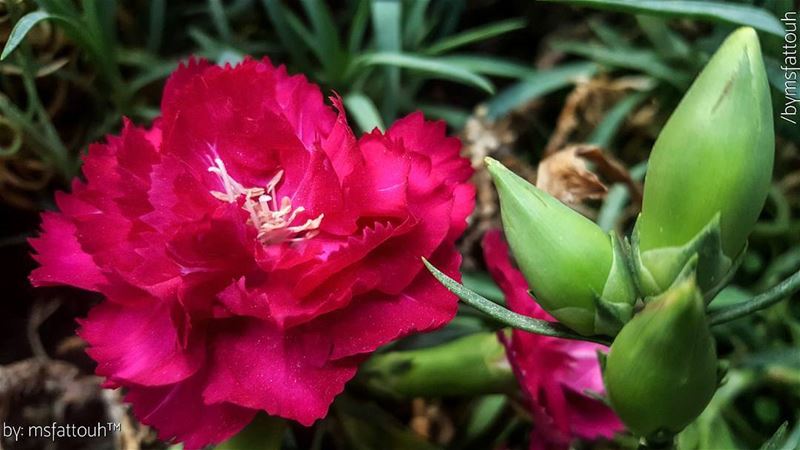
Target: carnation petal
{"points": [[61, 258], [140, 344], [179, 413], [375, 320], [284, 372]]}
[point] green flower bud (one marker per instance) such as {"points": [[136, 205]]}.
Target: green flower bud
{"points": [[661, 371], [711, 162], [576, 272]]}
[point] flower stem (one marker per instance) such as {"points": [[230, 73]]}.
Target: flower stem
{"points": [[506, 316], [784, 289], [471, 365]]}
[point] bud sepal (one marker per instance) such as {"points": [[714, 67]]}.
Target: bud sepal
{"points": [[657, 269]]}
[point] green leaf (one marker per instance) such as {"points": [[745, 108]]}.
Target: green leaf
{"points": [[155, 28], [358, 26], [645, 61], [485, 413], [429, 66], [603, 134], [386, 18], [536, 85], [363, 111], [489, 65], [301, 31], [504, 315], [220, 20], [277, 17], [326, 37], [667, 42], [23, 26], [775, 442], [415, 25], [455, 117], [607, 34], [711, 11], [475, 35]]}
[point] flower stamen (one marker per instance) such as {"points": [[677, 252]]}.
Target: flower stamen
{"points": [[272, 220]]}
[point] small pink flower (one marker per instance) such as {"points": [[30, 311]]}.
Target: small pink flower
{"points": [[554, 373], [251, 250]]}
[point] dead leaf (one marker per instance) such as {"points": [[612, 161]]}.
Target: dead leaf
{"points": [[580, 172]]}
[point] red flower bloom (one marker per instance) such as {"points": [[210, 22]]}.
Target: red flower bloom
{"points": [[554, 373], [251, 250]]}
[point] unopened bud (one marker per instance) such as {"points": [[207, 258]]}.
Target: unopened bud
{"points": [[709, 171], [661, 371], [576, 272]]}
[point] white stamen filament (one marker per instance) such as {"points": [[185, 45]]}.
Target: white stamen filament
{"points": [[274, 223]]}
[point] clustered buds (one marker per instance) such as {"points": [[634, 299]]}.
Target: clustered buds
{"points": [[708, 177], [576, 272]]}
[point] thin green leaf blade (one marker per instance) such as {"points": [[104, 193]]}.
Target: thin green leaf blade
{"points": [[476, 35], [386, 19], [455, 117], [712, 11], [537, 85], [605, 131], [642, 60], [277, 17], [21, 29], [326, 36], [358, 26], [504, 315], [217, 12], [363, 111], [776, 441], [489, 65], [429, 66]]}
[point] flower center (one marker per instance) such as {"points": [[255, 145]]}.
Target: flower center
{"points": [[273, 220]]}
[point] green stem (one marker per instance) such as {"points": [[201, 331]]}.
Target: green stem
{"points": [[784, 289], [506, 316], [468, 366]]}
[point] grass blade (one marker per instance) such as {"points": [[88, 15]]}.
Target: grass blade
{"points": [[386, 18], [277, 17], [711, 11], [363, 111], [604, 133], [504, 315], [21, 29], [537, 85], [430, 66], [455, 117], [358, 26], [220, 20], [415, 27], [489, 65], [326, 37], [644, 61], [475, 35]]}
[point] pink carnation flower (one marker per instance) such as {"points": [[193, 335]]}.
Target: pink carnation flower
{"points": [[554, 373], [251, 250]]}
